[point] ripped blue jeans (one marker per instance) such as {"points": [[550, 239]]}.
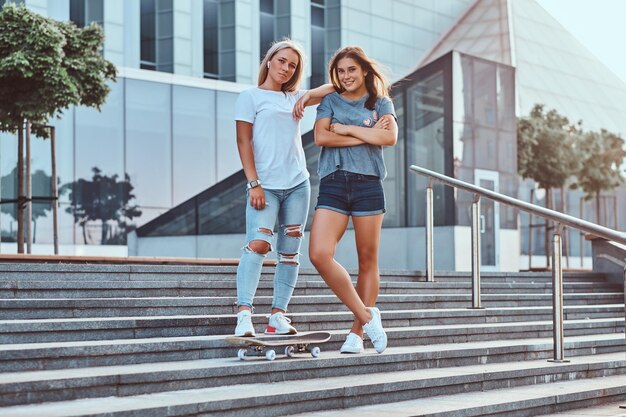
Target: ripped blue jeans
{"points": [[290, 208]]}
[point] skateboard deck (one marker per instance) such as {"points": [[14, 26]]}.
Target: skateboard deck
{"points": [[290, 344]]}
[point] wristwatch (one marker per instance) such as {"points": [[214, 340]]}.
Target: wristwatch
{"points": [[253, 184]]}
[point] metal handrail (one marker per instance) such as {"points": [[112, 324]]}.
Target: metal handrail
{"points": [[557, 216], [557, 245]]}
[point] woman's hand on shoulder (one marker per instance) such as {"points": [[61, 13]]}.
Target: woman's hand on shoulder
{"points": [[298, 108], [257, 198]]}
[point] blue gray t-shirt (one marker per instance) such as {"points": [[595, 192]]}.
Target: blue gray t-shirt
{"points": [[361, 159]]}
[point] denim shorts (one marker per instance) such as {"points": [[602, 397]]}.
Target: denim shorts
{"points": [[351, 194]]}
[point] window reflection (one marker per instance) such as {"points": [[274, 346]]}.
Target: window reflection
{"points": [[193, 127], [425, 146], [148, 142]]}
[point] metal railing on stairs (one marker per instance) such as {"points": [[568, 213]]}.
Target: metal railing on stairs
{"points": [[557, 268]]}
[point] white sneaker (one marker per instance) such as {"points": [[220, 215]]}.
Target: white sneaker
{"points": [[375, 331], [244, 324], [353, 344], [279, 324]]}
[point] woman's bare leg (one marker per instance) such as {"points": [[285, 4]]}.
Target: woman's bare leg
{"points": [[367, 230], [327, 229]]}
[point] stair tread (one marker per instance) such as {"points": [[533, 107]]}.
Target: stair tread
{"points": [[455, 349], [335, 386], [538, 394]]}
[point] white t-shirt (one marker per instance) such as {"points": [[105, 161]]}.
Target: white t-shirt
{"points": [[276, 138]]}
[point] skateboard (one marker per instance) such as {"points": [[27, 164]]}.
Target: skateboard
{"points": [[290, 344]]}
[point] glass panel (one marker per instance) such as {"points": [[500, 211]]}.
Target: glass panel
{"points": [[486, 150], [267, 32], [77, 12], [318, 57], [425, 146], [148, 34], [484, 93], [317, 16], [508, 185], [506, 98], [394, 184], [8, 222], [148, 148], [487, 226], [267, 6], [194, 141], [211, 39]]}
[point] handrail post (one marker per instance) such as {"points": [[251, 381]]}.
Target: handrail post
{"points": [[557, 296], [430, 277], [476, 252]]}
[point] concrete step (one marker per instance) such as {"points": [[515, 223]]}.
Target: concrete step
{"points": [[578, 398], [153, 306], [182, 288], [103, 272], [74, 354], [133, 379], [617, 409], [299, 381], [102, 328]]}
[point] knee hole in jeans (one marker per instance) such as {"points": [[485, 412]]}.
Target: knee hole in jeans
{"points": [[258, 246], [289, 258], [293, 230]]}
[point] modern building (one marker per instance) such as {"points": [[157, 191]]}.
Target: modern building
{"points": [[165, 140]]}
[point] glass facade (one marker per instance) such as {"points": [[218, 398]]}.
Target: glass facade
{"points": [[424, 106]]}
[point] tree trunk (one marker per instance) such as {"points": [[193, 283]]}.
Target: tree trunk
{"points": [[20, 188], [598, 207]]}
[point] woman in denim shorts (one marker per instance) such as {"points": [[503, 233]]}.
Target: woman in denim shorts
{"points": [[353, 124], [270, 148]]}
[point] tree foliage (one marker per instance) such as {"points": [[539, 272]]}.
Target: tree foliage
{"points": [[47, 66], [546, 148], [105, 199], [602, 155]]}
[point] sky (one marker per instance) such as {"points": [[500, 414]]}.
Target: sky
{"points": [[598, 24]]}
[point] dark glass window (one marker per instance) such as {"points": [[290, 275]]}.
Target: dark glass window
{"points": [[275, 22], [266, 25], [157, 35], [84, 12], [325, 37], [219, 39], [211, 39]]}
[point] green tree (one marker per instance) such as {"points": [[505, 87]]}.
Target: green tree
{"points": [[602, 156], [45, 67], [546, 153], [546, 148], [106, 199]]}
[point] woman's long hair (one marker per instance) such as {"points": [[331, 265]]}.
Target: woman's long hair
{"points": [[296, 78], [375, 82]]}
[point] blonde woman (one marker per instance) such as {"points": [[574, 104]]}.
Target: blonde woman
{"points": [[278, 189]]}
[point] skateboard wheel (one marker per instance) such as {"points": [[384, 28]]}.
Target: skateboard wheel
{"points": [[315, 352], [270, 355], [241, 354], [289, 350]]}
